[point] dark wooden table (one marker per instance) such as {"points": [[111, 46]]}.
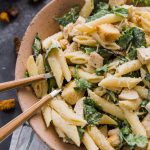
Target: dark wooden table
{"points": [[7, 51]]}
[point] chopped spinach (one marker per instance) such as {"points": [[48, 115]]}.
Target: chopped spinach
{"points": [[100, 10], [91, 112], [102, 70], [125, 38], [81, 132], [69, 17], [101, 6], [120, 11], [36, 47], [133, 36], [105, 53], [138, 38], [131, 139], [82, 84]]}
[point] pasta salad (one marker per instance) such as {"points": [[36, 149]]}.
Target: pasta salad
{"points": [[100, 59]]}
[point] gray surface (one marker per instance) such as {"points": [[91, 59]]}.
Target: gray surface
{"points": [[24, 138], [7, 51]]}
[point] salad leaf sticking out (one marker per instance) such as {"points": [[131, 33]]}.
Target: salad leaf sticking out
{"points": [[102, 70], [91, 112], [120, 11], [69, 17], [37, 46], [54, 47], [100, 10]]}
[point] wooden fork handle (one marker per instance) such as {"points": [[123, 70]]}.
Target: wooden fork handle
{"points": [[12, 125], [20, 82]]}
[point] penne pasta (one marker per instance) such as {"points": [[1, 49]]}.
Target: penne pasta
{"points": [[142, 91], [105, 119], [91, 26], [87, 8], [99, 138], [104, 130], [77, 57], [70, 95], [128, 67], [64, 65], [70, 130], [120, 82], [78, 108], [134, 121], [46, 111], [56, 69], [100, 59], [31, 66], [88, 142], [48, 41], [107, 106], [85, 40], [67, 113], [93, 78]]}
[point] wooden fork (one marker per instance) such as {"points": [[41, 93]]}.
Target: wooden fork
{"points": [[23, 82], [12, 125]]}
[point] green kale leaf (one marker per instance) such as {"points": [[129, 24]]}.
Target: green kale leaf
{"points": [[131, 139], [102, 70], [36, 47], [91, 112], [101, 6], [138, 38], [141, 141], [120, 11], [105, 53], [126, 38], [132, 53], [69, 17], [101, 9], [132, 36], [81, 132]]}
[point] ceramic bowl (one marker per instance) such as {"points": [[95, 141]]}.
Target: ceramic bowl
{"points": [[45, 25]]}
